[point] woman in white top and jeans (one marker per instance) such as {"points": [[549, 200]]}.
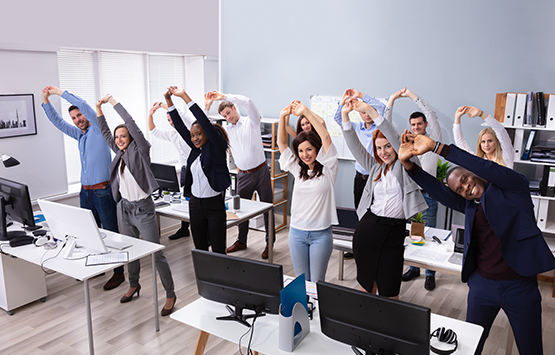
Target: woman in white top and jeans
{"points": [[313, 162]]}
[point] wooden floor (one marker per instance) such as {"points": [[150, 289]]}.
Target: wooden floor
{"points": [[58, 326]]}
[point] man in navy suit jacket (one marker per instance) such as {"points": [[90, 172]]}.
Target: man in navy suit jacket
{"points": [[504, 250]]}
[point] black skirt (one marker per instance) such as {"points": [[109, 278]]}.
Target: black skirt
{"points": [[378, 249]]}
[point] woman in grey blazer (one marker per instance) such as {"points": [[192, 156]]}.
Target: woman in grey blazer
{"points": [[132, 183], [390, 197]]}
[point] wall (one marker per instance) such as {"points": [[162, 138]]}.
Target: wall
{"points": [[450, 53]]}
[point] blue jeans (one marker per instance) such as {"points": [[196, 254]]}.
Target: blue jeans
{"points": [[430, 215], [102, 204], [310, 252]]}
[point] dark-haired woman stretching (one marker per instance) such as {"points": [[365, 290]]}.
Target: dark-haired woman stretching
{"points": [[207, 175], [132, 183], [313, 162]]}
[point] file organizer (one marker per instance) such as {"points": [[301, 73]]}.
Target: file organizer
{"points": [[294, 324]]}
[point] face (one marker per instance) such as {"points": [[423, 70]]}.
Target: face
{"points": [[307, 153], [198, 137], [385, 150], [122, 138], [366, 118], [466, 184], [305, 124], [418, 126], [230, 114], [170, 120], [79, 120], [488, 144]]}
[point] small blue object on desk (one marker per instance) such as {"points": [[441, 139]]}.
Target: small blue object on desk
{"points": [[39, 218]]}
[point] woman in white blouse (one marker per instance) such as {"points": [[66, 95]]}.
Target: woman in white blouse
{"points": [[313, 162], [493, 143]]}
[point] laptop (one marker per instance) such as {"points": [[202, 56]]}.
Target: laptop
{"points": [[348, 221], [458, 235]]}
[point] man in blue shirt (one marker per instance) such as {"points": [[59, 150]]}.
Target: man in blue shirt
{"points": [[96, 192]]}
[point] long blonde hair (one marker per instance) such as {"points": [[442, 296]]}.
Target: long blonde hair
{"points": [[498, 150]]}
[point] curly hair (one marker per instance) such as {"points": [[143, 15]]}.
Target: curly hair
{"points": [[314, 140]]}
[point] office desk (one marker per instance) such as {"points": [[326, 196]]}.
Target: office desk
{"points": [[248, 210], [76, 269], [201, 314]]}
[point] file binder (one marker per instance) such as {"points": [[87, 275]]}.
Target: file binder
{"points": [[530, 110], [540, 109], [520, 110], [509, 109], [528, 146], [550, 115]]}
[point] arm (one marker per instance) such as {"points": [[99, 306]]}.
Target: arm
{"points": [[75, 100], [361, 155], [337, 116], [290, 130], [504, 139], [151, 112], [134, 130], [103, 126], [252, 111], [460, 141], [55, 117], [433, 129], [282, 139], [301, 109]]}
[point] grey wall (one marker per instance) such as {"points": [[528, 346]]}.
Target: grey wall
{"points": [[450, 53]]}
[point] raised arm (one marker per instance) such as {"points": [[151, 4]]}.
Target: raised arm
{"points": [[55, 117], [151, 112], [361, 155], [460, 141], [301, 109], [433, 129], [282, 139], [134, 130], [104, 129], [252, 111]]}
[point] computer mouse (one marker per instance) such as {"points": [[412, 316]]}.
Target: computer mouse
{"points": [[39, 232]]}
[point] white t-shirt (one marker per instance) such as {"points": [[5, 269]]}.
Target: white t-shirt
{"points": [[313, 202]]}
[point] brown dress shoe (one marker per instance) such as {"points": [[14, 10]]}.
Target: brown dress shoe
{"points": [[265, 252], [236, 246], [114, 281]]}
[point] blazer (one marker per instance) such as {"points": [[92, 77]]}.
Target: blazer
{"points": [[413, 201], [508, 209], [213, 158], [136, 157]]}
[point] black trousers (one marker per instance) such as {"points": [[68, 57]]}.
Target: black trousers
{"points": [[208, 223], [358, 188]]}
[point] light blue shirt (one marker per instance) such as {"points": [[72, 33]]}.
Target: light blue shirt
{"points": [[364, 134], [93, 150]]}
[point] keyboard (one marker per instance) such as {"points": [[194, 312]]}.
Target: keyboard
{"points": [[100, 259], [116, 245], [161, 204]]}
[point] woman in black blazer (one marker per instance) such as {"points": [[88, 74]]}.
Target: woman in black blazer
{"points": [[207, 176]]}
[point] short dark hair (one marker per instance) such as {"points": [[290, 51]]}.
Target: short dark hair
{"points": [[417, 114], [314, 139], [225, 104], [72, 107], [451, 171]]}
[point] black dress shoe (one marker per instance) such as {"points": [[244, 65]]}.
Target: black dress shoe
{"points": [[166, 312], [180, 234], [430, 283], [348, 255], [114, 281], [126, 299], [411, 274]]}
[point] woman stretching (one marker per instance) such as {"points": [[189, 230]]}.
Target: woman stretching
{"points": [[132, 183], [304, 125], [207, 175], [313, 162], [389, 198], [493, 143]]}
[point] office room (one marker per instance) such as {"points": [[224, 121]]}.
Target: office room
{"points": [[451, 54]]}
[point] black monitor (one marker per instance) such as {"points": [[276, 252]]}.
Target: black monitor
{"points": [[242, 283], [165, 176], [375, 324], [15, 203]]}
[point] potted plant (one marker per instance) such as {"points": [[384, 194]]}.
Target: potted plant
{"points": [[417, 224], [442, 168]]}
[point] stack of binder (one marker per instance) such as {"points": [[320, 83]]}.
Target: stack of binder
{"points": [[543, 152]]}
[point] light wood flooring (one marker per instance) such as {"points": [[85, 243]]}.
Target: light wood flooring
{"points": [[58, 326]]}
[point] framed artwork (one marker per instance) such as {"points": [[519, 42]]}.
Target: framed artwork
{"points": [[17, 115]]}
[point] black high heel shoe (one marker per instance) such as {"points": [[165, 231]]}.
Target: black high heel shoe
{"points": [[167, 312], [126, 299]]}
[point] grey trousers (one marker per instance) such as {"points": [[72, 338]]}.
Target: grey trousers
{"points": [[247, 184], [139, 218]]}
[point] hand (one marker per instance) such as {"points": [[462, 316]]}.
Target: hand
{"points": [[406, 149], [154, 108], [208, 99], [176, 91], [397, 94], [298, 108], [356, 94], [406, 92], [347, 94], [218, 96], [286, 111], [348, 106], [55, 90], [423, 144], [472, 111], [461, 111], [105, 99], [45, 95]]}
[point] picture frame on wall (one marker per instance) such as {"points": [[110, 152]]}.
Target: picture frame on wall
{"points": [[17, 115]]}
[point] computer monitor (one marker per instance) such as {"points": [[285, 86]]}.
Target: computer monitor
{"points": [[76, 226], [375, 324], [242, 283], [15, 202], [165, 176]]}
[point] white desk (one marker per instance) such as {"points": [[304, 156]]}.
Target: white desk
{"points": [[201, 314], [248, 210], [76, 268]]}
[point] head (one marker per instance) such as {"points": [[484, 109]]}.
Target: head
{"points": [[488, 146], [122, 137], [306, 147], [303, 124], [198, 136], [169, 119], [465, 183], [79, 120], [383, 151], [376, 104], [229, 112], [418, 123]]}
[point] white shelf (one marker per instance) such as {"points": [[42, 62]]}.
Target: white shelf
{"points": [[531, 128], [529, 162]]}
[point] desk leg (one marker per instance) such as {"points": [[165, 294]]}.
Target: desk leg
{"points": [[155, 293], [271, 236], [201, 342], [341, 264], [89, 316]]}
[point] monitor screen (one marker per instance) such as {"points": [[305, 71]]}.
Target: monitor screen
{"points": [[16, 202], [238, 282], [165, 176], [373, 323]]}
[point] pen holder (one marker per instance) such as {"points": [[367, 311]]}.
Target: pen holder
{"points": [[297, 323]]}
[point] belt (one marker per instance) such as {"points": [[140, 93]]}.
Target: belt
{"points": [[99, 186], [253, 170], [362, 176]]}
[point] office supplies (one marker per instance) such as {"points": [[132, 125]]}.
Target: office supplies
{"points": [[528, 146], [436, 239], [510, 104], [540, 109], [294, 324], [110, 258], [550, 114], [161, 204], [114, 244], [520, 109], [530, 118]]}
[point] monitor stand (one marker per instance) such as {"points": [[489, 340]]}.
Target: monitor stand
{"points": [[4, 234], [237, 315]]}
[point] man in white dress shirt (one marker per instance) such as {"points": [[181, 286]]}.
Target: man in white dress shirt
{"points": [[245, 141]]}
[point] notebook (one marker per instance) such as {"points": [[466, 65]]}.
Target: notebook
{"points": [[348, 221]]}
